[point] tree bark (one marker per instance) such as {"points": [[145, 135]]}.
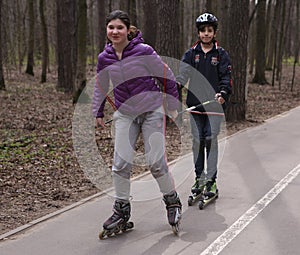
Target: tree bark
{"points": [[66, 45], [45, 46], [150, 22], [296, 56], [239, 19], [81, 43], [30, 60], [2, 82], [101, 4], [168, 43], [260, 57]]}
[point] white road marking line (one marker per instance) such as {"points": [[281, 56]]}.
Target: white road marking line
{"points": [[223, 240]]}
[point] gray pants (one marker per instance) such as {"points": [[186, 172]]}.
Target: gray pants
{"points": [[127, 130], [205, 130]]}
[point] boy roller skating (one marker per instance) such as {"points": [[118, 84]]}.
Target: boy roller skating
{"points": [[213, 63]]}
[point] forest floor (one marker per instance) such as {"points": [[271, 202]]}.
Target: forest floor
{"points": [[39, 171]]}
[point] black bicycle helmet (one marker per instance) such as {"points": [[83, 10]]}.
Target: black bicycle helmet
{"points": [[207, 18]]}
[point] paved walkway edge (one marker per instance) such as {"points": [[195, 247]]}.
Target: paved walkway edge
{"points": [[22, 228]]}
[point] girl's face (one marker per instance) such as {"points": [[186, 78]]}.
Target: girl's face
{"points": [[117, 32], [207, 34]]}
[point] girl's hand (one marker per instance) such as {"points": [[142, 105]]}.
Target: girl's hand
{"points": [[173, 114], [100, 122]]}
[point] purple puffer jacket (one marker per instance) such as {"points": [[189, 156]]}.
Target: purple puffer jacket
{"points": [[135, 89]]}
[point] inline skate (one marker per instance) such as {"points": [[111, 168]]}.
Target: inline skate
{"points": [[173, 206], [210, 193], [196, 190], [118, 222]]}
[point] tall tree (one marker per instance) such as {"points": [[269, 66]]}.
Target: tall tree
{"points": [[81, 49], [296, 54], [168, 43], [150, 22], [239, 19], [252, 31], [270, 35], [276, 23], [2, 82], [260, 58], [30, 59], [66, 45], [45, 47], [129, 6], [101, 4]]}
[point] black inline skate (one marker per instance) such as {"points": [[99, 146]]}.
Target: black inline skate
{"points": [[197, 190], [210, 193], [173, 206], [118, 222]]}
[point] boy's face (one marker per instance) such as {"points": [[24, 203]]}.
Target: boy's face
{"points": [[206, 34]]}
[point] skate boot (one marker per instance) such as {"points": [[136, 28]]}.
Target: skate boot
{"points": [[210, 193], [196, 190], [173, 206], [118, 221]]}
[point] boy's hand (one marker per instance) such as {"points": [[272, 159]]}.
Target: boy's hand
{"points": [[219, 98]]}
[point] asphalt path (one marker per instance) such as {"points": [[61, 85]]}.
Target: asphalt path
{"points": [[257, 211]]}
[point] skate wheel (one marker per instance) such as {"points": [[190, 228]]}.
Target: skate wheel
{"points": [[117, 230], [190, 201], [175, 229], [102, 234], [127, 226], [130, 224], [201, 205]]}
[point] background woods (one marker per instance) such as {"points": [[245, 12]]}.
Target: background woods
{"points": [[48, 52], [65, 36]]}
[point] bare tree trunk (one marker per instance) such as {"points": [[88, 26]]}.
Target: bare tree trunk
{"points": [[281, 41], [286, 25], [45, 46], [239, 19], [276, 24], [167, 43], [150, 22], [91, 31], [260, 58], [81, 50], [223, 38], [30, 60], [252, 28], [269, 43], [296, 56], [2, 82], [101, 4], [66, 45]]}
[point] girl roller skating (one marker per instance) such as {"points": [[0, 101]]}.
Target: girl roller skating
{"points": [[131, 66]]}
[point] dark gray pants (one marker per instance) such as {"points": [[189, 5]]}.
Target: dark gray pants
{"points": [[205, 130]]}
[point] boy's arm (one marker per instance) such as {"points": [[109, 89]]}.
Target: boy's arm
{"points": [[225, 83]]}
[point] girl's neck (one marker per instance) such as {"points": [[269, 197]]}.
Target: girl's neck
{"points": [[119, 49]]}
